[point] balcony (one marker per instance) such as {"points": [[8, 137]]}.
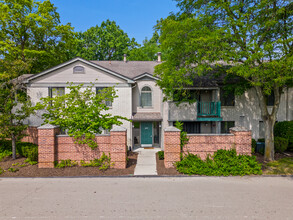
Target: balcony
{"points": [[209, 111]]}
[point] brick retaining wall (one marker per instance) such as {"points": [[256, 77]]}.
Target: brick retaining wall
{"points": [[204, 144], [55, 147]]}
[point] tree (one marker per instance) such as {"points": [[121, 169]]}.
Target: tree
{"points": [[147, 52], [105, 42], [15, 105], [31, 30], [81, 112], [252, 38]]}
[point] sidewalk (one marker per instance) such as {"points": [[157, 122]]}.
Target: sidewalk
{"points": [[146, 161]]}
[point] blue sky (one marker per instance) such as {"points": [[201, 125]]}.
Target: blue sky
{"points": [[135, 17]]}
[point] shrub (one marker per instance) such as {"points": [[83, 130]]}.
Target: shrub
{"points": [[284, 129], [104, 162], [223, 163], [13, 170], [261, 140], [161, 155], [281, 144], [65, 163], [4, 154], [28, 150], [1, 171]]}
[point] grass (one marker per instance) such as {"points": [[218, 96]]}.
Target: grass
{"points": [[282, 166]]}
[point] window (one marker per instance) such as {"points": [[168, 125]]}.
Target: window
{"points": [[261, 130], [191, 127], [227, 98], [270, 99], [146, 97], [98, 91], [56, 91], [226, 125], [78, 69]]}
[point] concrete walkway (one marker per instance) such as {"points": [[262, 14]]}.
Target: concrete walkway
{"points": [[146, 161]]}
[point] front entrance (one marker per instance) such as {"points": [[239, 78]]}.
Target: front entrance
{"points": [[146, 129]]}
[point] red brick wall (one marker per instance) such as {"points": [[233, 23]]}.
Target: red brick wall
{"points": [[54, 147], [32, 135], [204, 144]]}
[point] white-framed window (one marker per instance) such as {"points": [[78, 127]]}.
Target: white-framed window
{"points": [[146, 97], [99, 90], [78, 69], [56, 91]]}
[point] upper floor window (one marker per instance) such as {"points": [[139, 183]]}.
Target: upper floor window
{"points": [[100, 90], [227, 98], [146, 96], [78, 69], [271, 99], [56, 91]]}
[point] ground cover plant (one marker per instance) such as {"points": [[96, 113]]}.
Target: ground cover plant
{"points": [[104, 162], [282, 166], [222, 163]]}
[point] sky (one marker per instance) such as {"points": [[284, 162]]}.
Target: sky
{"points": [[135, 17]]}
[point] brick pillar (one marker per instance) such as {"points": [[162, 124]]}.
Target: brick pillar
{"points": [[118, 147], [47, 145], [242, 140], [172, 146]]}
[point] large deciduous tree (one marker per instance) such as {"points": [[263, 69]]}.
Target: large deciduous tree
{"points": [[148, 51], [105, 42], [253, 37], [31, 30]]}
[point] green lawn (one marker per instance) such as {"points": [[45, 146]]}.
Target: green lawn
{"points": [[282, 166]]}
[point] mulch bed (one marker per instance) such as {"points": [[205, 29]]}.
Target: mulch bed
{"points": [[34, 171], [162, 170]]}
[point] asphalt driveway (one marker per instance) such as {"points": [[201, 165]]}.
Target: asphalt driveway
{"points": [[147, 198]]}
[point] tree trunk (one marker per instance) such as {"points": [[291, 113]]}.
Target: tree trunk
{"points": [[269, 139], [13, 139]]}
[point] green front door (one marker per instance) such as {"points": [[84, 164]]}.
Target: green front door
{"points": [[146, 132]]}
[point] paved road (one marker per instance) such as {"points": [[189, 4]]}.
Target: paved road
{"points": [[147, 198]]}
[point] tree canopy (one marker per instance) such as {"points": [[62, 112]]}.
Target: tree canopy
{"points": [[252, 37], [148, 51], [105, 42], [31, 31]]}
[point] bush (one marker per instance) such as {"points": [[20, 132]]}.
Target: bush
{"points": [[223, 163], [104, 162], [161, 155], [261, 140], [65, 163], [28, 150], [284, 129], [281, 144]]}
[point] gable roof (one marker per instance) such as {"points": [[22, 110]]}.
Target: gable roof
{"points": [[112, 72], [129, 69], [145, 75]]}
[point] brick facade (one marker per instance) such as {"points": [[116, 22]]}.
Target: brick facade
{"points": [[54, 147], [204, 144], [32, 135]]}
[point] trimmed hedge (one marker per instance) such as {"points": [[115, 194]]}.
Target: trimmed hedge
{"points": [[281, 144], [284, 129], [223, 163]]}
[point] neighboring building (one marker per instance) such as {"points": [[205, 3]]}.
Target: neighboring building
{"points": [[140, 99]]}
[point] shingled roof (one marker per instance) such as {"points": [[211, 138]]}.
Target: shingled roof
{"points": [[130, 69]]}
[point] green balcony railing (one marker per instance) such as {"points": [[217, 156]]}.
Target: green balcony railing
{"points": [[206, 109]]}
